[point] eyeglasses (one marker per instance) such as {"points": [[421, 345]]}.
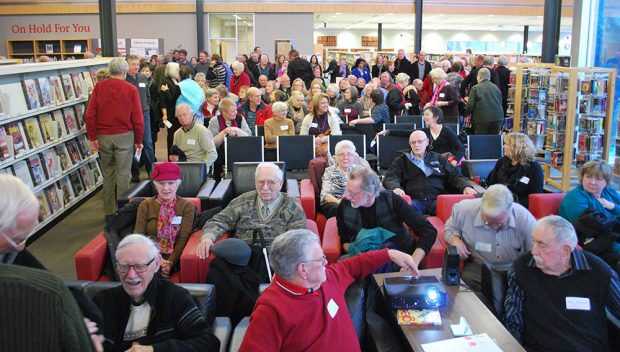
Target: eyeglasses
{"points": [[356, 196], [165, 183], [13, 244], [348, 155], [269, 183], [139, 268], [419, 141], [323, 260]]}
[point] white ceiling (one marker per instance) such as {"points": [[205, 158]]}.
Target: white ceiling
{"points": [[433, 22]]}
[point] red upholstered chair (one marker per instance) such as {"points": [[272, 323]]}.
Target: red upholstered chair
{"points": [[543, 204], [445, 202]]}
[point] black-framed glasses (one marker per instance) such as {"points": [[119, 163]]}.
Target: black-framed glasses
{"points": [[139, 268]]}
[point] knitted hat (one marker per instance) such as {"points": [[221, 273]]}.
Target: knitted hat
{"points": [[166, 171], [233, 250]]}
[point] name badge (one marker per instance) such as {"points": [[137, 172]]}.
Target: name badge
{"points": [[284, 128], [441, 95], [332, 308], [347, 111], [142, 85], [525, 180], [577, 303], [177, 220], [483, 247], [191, 141], [314, 125]]}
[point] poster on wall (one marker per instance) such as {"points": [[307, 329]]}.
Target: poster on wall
{"points": [[283, 46], [144, 47], [122, 49]]}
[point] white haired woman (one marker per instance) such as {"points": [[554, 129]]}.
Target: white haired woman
{"points": [[335, 178], [239, 77], [276, 126]]}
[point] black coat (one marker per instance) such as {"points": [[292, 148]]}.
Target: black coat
{"points": [[376, 72], [415, 70], [300, 68]]}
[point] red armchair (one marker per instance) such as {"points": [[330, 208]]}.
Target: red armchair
{"points": [[445, 202], [543, 204]]}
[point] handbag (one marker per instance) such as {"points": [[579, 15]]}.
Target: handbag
{"points": [[322, 150]]}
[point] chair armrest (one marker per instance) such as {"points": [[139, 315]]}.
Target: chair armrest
{"points": [[189, 262], [141, 189], [238, 334], [308, 200], [331, 241], [90, 259], [292, 188], [222, 329], [204, 192], [222, 194], [312, 226], [439, 225], [434, 259]]}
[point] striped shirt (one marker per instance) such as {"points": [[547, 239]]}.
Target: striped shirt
{"points": [[334, 183]]}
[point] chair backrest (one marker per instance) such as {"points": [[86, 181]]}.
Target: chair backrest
{"points": [[484, 146], [494, 284], [399, 126], [241, 149], [445, 202], [259, 131], [243, 176], [453, 126], [388, 148], [481, 168], [416, 119], [450, 119], [367, 130], [193, 176], [543, 204], [295, 151], [359, 140]]}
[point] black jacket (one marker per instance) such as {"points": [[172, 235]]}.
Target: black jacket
{"points": [[300, 68], [403, 65], [376, 72], [503, 75], [522, 180], [415, 70], [335, 72]]}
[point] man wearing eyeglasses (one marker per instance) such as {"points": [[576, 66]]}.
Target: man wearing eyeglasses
{"points": [[423, 175], [493, 229], [304, 309], [146, 313], [266, 208]]}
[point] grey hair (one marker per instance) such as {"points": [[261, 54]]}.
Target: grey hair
{"points": [[344, 144], [15, 198], [353, 91], [438, 73], [172, 69], [488, 60], [402, 77], [211, 91], [333, 87], [184, 105], [200, 76], [137, 239], [562, 230], [370, 180], [274, 167], [118, 66], [238, 65], [416, 81], [279, 106], [496, 200], [484, 74], [502, 61], [289, 249]]}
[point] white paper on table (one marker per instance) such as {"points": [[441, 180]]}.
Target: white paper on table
{"points": [[461, 329], [478, 343]]}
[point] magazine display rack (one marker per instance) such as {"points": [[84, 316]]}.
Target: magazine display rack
{"points": [[566, 112], [43, 133]]}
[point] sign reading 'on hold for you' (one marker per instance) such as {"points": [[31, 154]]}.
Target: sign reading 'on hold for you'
{"points": [[51, 28]]}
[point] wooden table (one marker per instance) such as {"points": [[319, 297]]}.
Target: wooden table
{"points": [[460, 302]]}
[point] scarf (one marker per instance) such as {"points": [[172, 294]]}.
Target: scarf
{"points": [[437, 90], [343, 71], [166, 231], [222, 122]]}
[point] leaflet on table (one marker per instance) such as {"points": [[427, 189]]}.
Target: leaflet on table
{"points": [[478, 343]]}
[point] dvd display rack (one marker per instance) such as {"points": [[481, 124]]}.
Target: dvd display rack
{"points": [[29, 50], [566, 112], [43, 134]]}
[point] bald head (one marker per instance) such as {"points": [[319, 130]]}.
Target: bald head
{"points": [[418, 142]]}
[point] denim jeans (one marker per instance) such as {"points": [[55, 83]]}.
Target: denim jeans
{"points": [[148, 154]]}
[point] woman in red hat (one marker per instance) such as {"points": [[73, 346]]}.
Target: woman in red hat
{"points": [[166, 218]]}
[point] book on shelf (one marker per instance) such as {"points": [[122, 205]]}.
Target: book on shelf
{"points": [[63, 155], [70, 120], [66, 189], [88, 176], [74, 152], [44, 208], [94, 165], [93, 75], [67, 87], [31, 93], [419, 317], [51, 161], [51, 193], [61, 127], [79, 114], [59, 93], [23, 173], [14, 99], [8, 170], [78, 86], [36, 170], [5, 145], [16, 131], [49, 130], [76, 183], [33, 132], [88, 82], [84, 145], [46, 91], [4, 111]]}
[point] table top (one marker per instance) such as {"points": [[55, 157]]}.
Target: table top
{"points": [[461, 302]]}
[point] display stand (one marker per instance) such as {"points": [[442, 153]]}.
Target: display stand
{"points": [[55, 49]]}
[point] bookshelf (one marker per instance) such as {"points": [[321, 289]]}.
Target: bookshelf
{"points": [[43, 133], [57, 49]]}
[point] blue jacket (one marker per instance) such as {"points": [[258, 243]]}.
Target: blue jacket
{"points": [[578, 200], [369, 240], [361, 74]]}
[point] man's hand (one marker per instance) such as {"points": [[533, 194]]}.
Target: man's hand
{"points": [[469, 191], [94, 146], [164, 88], [166, 265], [352, 123], [460, 245], [139, 348], [203, 248], [138, 146], [398, 192], [405, 261], [94, 337], [606, 204]]}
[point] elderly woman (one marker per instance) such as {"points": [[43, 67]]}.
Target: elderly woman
{"points": [[217, 74], [276, 126], [365, 99], [299, 86], [485, 105], [320, 121], [442, 140], [360, 70], [166, 218], [315, 88], [412, 96], [335, 178], [445, 96], [210, 107], [349, 107], [296, 110], [342, 85], [333, 92], [169, 93], [239, 78]]}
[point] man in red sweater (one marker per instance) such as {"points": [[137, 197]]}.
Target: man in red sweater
{"points": [[304, 309], [114, 124]]}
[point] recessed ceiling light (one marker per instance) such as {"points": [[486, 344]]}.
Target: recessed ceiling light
{"points": [[338, 13]]}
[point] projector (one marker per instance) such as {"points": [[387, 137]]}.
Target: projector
{"points": [[407, 292]]}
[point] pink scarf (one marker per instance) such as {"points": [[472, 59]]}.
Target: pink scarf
{"points": [[166, 231], [436, 92]]}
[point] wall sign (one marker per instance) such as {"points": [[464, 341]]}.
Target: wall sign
{"points": [[51, 28]]}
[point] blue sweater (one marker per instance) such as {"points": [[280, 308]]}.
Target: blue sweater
{"points": [[578, 200]]}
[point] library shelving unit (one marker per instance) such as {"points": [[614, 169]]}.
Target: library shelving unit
{"points": [[43, 135], [568, 114], [29, 50]]}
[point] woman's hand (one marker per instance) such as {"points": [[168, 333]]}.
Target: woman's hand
{"points": [[164, 88], [173, 158], [606, 204], [166, 265], [352, 123], [318, 141]]}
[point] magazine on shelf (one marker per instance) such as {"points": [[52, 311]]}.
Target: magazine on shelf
{"points": [[8, 170], [84, 145], [23, 173], [70, 120], [13, 98], [63, 155], [61, 127], [79, 115], [51, 193], [5, 144], [33, 132], [36, 169], [49, 131], [78, 86], [88, 176], [94, 165], [76, 183], [44, 208], [16, 131], [67, 87], [31, 94], [4, 111], [93, 75], [74, 152], [88, 82], [47, 92], [59, 93], [67, 192], [51, 161]]}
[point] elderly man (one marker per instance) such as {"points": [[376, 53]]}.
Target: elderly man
{"points": [[366, 206], [402, 64], [254, 110], [420, 68], [194, 139], [503, 76], [146, 313], [285, 85], [557, 294], [24, 288], [485, 105], [423, 175], [394, 96], [492, 229], [114, 124], [304, 309], [266, 208], [471, 79]]}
